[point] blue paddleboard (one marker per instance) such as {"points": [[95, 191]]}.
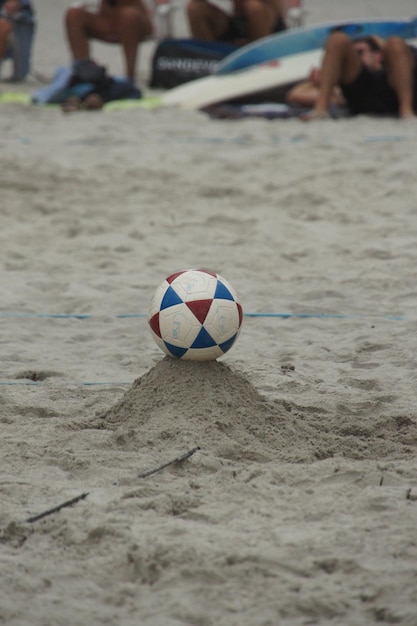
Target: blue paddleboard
{"points": [[311, 38]]}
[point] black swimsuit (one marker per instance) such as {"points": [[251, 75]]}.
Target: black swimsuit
{"points": [[371, 93], [237, 28]]}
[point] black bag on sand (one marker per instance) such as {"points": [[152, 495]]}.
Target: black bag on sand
{"points": [[177, 61], [88, 71]]}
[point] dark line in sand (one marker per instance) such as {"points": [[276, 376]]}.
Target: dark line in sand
{"points": [[177, 459], [56, 509]]}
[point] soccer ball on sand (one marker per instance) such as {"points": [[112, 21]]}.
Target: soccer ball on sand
{"points": [[195, 315]]}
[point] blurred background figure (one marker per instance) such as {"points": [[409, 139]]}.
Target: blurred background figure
{"points": [[247, 20], [123, 22], [17, 27]]}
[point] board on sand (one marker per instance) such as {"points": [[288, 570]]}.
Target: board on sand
{"points": [[310, 38], [280, 69], [259, 78]]}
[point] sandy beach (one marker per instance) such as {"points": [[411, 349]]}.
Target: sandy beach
{"points": [[298, 504]]}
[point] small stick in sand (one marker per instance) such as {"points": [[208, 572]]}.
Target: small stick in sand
{"points": [[56, 509], [411, 496], [178, 459]]}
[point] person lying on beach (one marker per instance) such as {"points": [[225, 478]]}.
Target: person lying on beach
{"points": [[249, 20], [375, 76], [305, 94], [125, 22], [10, 10]]}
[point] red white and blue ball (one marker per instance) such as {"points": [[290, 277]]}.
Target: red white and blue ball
{"points": [[195, 315]]}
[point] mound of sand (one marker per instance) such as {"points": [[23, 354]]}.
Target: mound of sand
{"points": [[212, 406]]}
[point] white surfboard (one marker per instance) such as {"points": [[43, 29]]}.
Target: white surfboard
{"points": [[255, 79]]}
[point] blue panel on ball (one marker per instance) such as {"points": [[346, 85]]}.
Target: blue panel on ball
{"points": [[203, 340], [228, 344], [174, 350], [170, 298], [222, 292]]}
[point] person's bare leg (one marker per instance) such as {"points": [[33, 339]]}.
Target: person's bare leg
{"points": [[207, 22], [5, 30], [134, 26], [281, 9], [341, 63], [400, 63], [261, 18], [81, 26], [76, 20], [303, 94]]}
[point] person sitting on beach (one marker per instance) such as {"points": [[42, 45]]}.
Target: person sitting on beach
{"points": [[125, 22], [249, 20], [306, 93], [375, 76], [10, 10]]}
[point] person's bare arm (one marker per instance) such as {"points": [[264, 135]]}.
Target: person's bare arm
{"points": [[11, 7]]}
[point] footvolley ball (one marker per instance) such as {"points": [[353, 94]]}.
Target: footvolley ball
{"points": [[195, 315]]}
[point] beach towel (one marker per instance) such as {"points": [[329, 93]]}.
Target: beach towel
{"points": [[267, 110], [80, 80]]}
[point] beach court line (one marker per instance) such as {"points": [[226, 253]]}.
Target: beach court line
{"points": [[89, 316]]}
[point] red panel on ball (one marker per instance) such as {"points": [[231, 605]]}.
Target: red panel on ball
{"points": [[171, 278], [200, 308], [154, 324]]}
